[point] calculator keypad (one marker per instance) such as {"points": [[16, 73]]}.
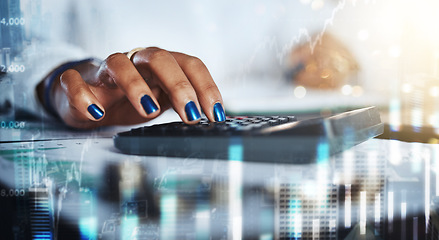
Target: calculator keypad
{"points": [[241, 125]]}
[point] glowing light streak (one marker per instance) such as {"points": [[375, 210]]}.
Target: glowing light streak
{"points": [[297, 233], [348, 162], [347, 206], [363, 215], [168, 218], [237, 227], [416, 160], [128, 225], [88, 227], [323, 170], [84, 151], [427, 188], [315, 228], [403, 219], [235, 188], [295, 209], [202, 222], [332, 225], [390, 211], [47, 236], [377, 209]]}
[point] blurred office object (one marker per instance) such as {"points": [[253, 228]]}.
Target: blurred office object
{"points": [[327, 65], [325, 80]]}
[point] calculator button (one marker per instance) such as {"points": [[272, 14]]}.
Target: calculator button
{"points": [[291, 118], [273, 122], [283, 120], [240, 125]]}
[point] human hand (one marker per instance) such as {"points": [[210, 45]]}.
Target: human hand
{"points": [[122, 91]]}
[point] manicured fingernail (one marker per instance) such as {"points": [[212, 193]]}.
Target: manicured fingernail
{"points": [[218, 112], [95, 111], [192, 112], [148, 104]]}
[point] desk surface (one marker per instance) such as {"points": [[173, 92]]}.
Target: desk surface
{"points": [[81, 187]]}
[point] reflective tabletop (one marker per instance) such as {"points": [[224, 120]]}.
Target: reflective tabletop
{"points": [[77, 185]]}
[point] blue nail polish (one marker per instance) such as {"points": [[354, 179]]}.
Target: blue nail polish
{"points": [[95, 111], [148, 104], [218, 112], [192, 112]]}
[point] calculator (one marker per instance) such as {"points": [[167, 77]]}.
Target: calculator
{"points": [[279, 139]]}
